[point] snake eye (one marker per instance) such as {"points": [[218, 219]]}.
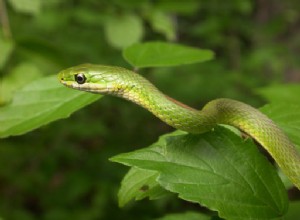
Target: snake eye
{"points": [[80, 78]]}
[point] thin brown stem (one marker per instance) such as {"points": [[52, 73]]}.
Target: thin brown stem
{"points": [[4, 21]]}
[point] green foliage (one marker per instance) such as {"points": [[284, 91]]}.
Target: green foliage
{"points": [[293, 210], [288, 117], [15, 80], [152, 54], [6, 47], [284, 108], [216, 169], [116, 26], [60, 170], [39, 103], [139, 184], [186, 216], [162, 23], [26, 6], [281, 93]]}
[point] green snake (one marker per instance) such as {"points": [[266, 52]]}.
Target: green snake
{"points": [[129, 85]]}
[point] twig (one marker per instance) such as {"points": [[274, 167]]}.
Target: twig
{"points": [[4, 21]]}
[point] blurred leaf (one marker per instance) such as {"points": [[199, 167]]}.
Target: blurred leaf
{"points": [[41, 52], [245, 7], [122, 31], [278, 94], [50, 20], [186, 7], [88, 17], [216, 169], [163, 23], [40, 102], [23, 73], [186, 216], [6, 47], [26, 6], [139, 184], [131, 4], [153, 54]]}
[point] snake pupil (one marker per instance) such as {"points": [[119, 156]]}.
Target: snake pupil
{"points": [[80, 78]]}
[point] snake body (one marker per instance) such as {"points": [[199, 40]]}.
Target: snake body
{"points": [[124, 83]]}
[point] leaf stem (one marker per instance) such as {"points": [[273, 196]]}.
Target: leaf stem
{"points": [[4, 21]]}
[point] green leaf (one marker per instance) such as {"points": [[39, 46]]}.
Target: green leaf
{"points": [[40, 102], [26, 6], [6, 48], [163, 23], [218, 170], [153, 54], [287, 117], [284, 108], [122, 31], [186, 7], [18, 77], [139, 184], [186, 216], [281, 93], [294, 211]]}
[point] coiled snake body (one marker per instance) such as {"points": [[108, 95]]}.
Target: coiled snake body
{"points": [[131, 86]]}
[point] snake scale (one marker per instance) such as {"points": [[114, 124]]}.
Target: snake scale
{"points": [[129, 85]]}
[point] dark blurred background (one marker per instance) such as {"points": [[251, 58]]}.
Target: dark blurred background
{"points": [[61, 171]]}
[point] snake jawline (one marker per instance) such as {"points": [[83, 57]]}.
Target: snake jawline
{"points": [[131, 86]]}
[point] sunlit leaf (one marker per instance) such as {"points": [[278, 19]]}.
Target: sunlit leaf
{"points": [[40, 102], [163, 23], [153, 54], [26, 6], [281, 93], [218, 170], [20, 75]]}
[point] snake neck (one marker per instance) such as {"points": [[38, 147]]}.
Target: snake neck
{"points": [[131, 86], [172, 112]]}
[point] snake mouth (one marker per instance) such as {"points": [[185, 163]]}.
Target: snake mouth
{"points": [[69, 84], [87, 87]]}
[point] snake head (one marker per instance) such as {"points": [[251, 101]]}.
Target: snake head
{"points": [[95, 79]]}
